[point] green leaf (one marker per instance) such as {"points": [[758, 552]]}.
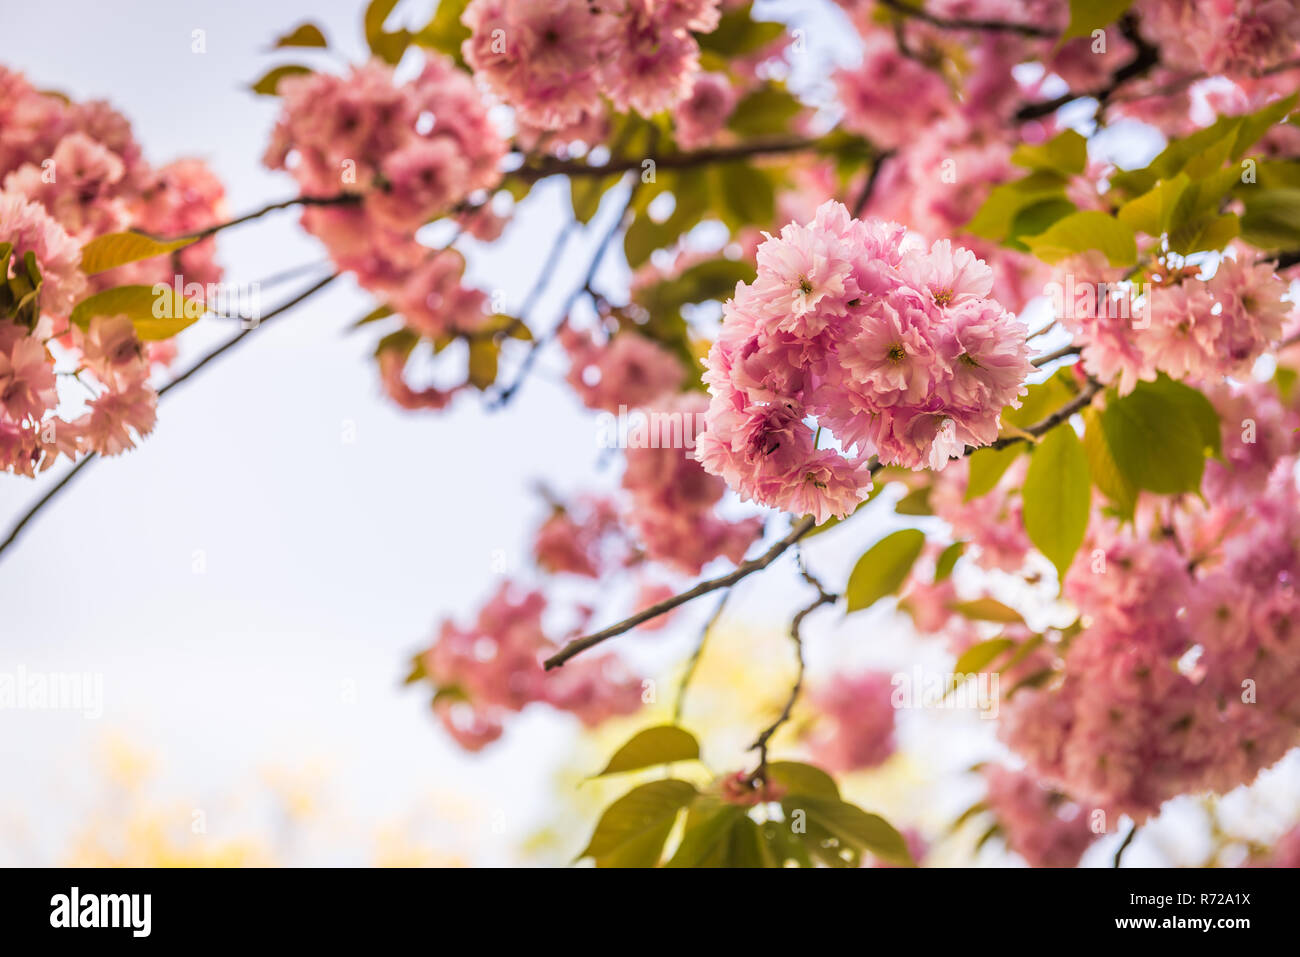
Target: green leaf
{"points": [[1155, 440], [849, 826], [883, 568], [718, 834], [738, 34], [1042, 399], [374, 315], [996, 216], [1035, 219], [389, 47], [1089, 15], [586, 192], [782, 845], [947, 561], [979, 656], [632, 831], [1206, 234], [483, 356], [155, 315], [1196, 405], [269, 84], [987, 466], [445, 33], [1083, 231], [1066, 152], [1101, 466], [1272, 219], [765, 112], [987, 609], [799, 778], [1057, 496], [653, 746], [712, 279], [116, 249], [748, 195], [641, 239], [305, 35], [915, 502], [1151, 212]]}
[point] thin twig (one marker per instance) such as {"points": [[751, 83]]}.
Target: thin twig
{"points": [[539, 342], [44, 500], [1128, 839], [221, 350], [864, 197], [342, 199], [1060, 353], [695, 657], [760, 744], [744, 569], [244, 333], [1077, 404]]}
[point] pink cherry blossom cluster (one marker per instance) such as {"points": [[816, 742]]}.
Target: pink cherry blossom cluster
{"points": [[1191, 329], [1228, 37], [583, 539], [554, 60], [1180, 680], [674, 501], [493, 668], [1043, 826], [72, 172], [412, 150], [408, 153], [854, 726], [992, 523], [629, 370], [853, 328], [672, 504]]}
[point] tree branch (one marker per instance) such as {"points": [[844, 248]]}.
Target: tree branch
{"points": [[695, 657], [216, 353], [869, 187], [1060, 353], [1128, 839], [1077, 404], [342, 199], [530, 357], [760, 744], [684, 160], [800, 528], [1146, 58], [967, 23]]}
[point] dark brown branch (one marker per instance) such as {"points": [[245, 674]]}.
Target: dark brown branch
{"points": [[1144, 60], [760, 744], [1077, 404], [801, 528], [744, 569], [685, 160], [869, 187], [343, 199], [967, 23], [1060, 353], [1128, 839]]}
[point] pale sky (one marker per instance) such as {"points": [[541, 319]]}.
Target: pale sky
{"points": [[327, 563]]}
